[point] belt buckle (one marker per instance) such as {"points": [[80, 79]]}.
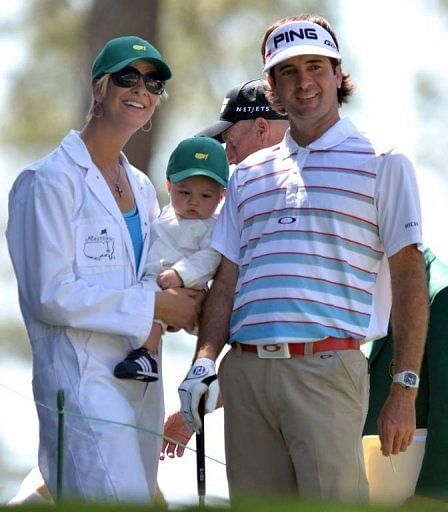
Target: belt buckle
{"points": [[273, 351]]}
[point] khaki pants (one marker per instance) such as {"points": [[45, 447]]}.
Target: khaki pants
{"points": [[294, 426]]}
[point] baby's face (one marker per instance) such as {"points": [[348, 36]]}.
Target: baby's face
{"points": [[196, 197]]}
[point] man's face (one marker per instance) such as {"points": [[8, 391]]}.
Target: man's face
{"points": [[241, 140], [307, 87]]}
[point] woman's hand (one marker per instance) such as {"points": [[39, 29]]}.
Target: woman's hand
{"points": [[179, 307], [176, 432]]}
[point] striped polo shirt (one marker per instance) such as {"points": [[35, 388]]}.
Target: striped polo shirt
{"points": [[311, 229]]}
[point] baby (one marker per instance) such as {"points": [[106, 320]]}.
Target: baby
{"points": [[180, 254]]}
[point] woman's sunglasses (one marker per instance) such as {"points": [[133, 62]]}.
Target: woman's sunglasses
{"points": [[129, 77]]}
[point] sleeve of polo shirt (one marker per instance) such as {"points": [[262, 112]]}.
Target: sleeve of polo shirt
{"points": [[226, 233], [398, 204]]}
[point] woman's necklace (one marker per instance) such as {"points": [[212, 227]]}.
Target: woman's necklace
{"points": [[115, 183], [118, 189]]}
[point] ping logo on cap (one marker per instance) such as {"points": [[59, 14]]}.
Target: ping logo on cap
{"points": [[290, 35], [201, 156], [298, 38], [139, 47]]}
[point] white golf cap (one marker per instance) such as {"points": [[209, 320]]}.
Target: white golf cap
{"points": [[298, 38]]}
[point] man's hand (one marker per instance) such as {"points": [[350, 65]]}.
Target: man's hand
{"points": [[396, 421], [169, 279], [200, 380], [409, 317], [175, 432]]}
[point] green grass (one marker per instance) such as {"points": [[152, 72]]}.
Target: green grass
{"points": [[261, 505]]}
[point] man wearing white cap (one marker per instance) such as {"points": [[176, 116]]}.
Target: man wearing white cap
{"points": [[318, 235]]}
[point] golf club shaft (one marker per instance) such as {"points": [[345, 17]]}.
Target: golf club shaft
{"points": [[200, 456]]}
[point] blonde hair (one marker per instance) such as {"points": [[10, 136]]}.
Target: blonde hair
{"points": [[101, 84]]}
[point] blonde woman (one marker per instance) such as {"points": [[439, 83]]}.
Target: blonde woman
{"points": [[78, 235]]}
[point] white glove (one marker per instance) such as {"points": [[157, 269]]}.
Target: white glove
{"points": [[201, 379]]}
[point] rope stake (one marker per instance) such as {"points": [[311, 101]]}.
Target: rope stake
{"points": [[60, 462]]}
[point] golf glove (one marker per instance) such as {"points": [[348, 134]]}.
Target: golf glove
{"points": [[201, 379]]}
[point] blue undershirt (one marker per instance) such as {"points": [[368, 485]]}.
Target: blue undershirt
{"points": [[132, 218]]}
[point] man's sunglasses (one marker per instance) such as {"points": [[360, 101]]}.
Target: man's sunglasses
{"points": [[129, 77]]}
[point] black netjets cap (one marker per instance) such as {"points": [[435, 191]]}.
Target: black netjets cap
{"points": [[244, 101]]}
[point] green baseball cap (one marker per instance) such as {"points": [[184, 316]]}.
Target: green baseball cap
{"points": [[121, 51], [198, 156]]}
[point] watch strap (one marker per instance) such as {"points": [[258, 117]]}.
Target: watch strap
{"points": [[407, 379]]}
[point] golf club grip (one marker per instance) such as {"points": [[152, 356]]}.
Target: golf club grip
{"points": [[200, 452]]}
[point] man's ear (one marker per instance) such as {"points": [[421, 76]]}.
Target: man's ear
{"points": [[339, 76], [168, 186], [261, 127]]}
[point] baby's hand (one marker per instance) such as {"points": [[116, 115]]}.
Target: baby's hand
{"points": [[169, 279]]}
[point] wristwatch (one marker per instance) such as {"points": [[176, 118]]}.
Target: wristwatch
{"points": [[407, 379]]}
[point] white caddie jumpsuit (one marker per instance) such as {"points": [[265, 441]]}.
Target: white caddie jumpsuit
{"points": [[85, 307]]}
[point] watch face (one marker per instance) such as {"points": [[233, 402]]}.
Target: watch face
{"points": [[410, 379]]}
